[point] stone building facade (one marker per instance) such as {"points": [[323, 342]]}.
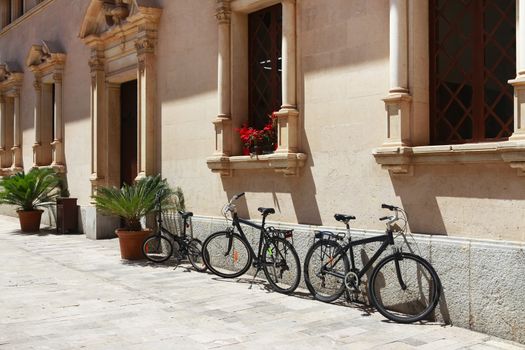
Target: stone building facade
{"points": [[416, 103]]}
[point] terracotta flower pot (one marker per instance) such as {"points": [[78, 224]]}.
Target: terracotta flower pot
{"points": [[30, 220], [131, 243]]}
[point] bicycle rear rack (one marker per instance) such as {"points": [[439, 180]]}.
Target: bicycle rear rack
{"points": [[285, 234]]}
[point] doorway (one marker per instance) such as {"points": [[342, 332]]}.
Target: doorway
{"points": [[128, 132]]}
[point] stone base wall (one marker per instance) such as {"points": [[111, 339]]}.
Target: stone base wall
{"points": [[483, 281]]}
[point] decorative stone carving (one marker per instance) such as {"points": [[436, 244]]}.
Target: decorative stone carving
{"points": [[42, 58], [223, 13], [116, 11], [4, 72], [96, 64], [145, 45]]}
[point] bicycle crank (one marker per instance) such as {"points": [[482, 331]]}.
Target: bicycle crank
{"points": [[352, 281]]}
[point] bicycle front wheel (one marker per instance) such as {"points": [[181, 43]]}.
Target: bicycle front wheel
{"points": [[157, 248], [281, 265], [195, 255], [404, 288], [325, 268], [226, 254]]}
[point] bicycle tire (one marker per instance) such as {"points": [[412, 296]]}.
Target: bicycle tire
{"points": [[157, 248], [224, 263], [320, 289], [195, 255], [274, 251], [386, 288]]}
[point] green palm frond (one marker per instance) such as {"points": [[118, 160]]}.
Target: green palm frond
{"points": [[37, 188], [132, 202]]}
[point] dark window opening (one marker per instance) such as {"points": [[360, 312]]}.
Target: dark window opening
{"points": [[472, 56], [265, 36]]}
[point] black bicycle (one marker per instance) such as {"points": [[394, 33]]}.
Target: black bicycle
{"points": [[228, 254], [159, 247], [403, 286]]}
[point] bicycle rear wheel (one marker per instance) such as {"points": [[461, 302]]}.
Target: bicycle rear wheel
{"points": [[157, 248], [226, 254], [404, 288], [281, 265], [325, 268], [195, 255]]}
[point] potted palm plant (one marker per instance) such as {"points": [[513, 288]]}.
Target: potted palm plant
{"points": [[132, 203], [29, 192]]}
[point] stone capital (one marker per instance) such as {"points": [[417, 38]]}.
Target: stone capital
{"points": [[57, 77], [223, 13], [96, 64], [37, 84], [145, 45]]}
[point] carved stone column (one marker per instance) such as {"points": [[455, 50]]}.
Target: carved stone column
{"points": [[519, 81], [398, 102], [223, 124], [58, 145], [37, 115], [98, 120], [17, 132], [287, 122], [147, 94]]}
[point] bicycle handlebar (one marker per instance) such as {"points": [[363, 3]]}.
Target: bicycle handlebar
{"points": [[389, 207], [384, 218]]}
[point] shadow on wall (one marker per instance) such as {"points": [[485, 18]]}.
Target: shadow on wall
{"points": [[301, 188], [422, 193]]}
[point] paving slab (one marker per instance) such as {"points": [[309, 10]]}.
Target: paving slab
{"points": [[68, 292]]}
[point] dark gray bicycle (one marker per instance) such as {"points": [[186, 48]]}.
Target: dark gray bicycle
{"points": [[403, 286], [159, 247], [228, 254]]}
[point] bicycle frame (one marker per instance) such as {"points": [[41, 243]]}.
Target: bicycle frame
{"points": [[237, 221], [387, 239]]}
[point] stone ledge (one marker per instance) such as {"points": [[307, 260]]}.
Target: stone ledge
{"points": [[286, 163], [401, 160]]}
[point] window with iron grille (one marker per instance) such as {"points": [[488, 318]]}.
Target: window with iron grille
{"points": [[264, 57], [472, 56]]}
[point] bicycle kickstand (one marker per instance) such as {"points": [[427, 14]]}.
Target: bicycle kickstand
{"points": [[255, 276]]}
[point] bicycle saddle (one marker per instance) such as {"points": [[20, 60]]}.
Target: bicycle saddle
{"points": [[266, 211], [343, 217], [185, 214]]}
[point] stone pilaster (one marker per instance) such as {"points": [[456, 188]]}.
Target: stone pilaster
{"points": [[17, 164], [37, 144], [98, 119], [398, 102], [223, 124], [289, 95], [58, 144], [519, 81], [146, 117]]}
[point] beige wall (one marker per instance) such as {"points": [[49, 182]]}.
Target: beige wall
{"points": [[342, 76], [57, 23]]}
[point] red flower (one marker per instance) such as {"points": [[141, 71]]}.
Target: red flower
{"points": [[264, 138]]}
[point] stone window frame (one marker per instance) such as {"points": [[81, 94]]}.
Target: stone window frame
{"points": [[407, 104], [19, 11], [10, 85], [47, 66], [232, 17]]}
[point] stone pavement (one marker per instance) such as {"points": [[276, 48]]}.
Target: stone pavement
{"points": [[67, 292]]}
